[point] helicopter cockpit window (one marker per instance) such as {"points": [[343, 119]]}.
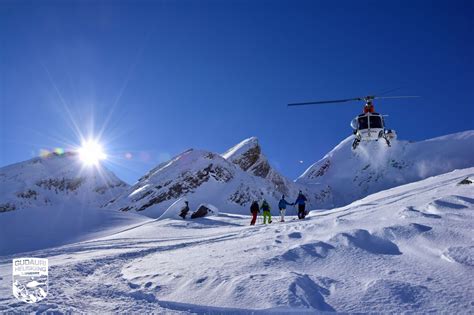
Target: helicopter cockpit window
{"points": [[363, 122], [376, 122]]}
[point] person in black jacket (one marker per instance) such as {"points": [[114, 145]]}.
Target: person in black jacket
{"points": [[254, 210], [301, 202]]}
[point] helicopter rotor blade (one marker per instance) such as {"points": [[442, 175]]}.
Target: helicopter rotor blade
{"points": [[403, 96], [365, 98], [388, 91], [327, 102]]}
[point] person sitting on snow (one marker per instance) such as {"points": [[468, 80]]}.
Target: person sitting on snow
{"points": [[282, 205], [254, 210], [185, 210], [266, 212]]}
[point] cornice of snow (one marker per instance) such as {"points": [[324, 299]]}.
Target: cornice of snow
{"points": [[240, 148]]}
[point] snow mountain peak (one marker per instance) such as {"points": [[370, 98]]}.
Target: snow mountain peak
{"points": [[248, 156], [231, 180], [56, 179], [241, 147]]}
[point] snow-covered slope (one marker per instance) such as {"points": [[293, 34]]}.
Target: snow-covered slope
{"points": [[407, 249], [35, 228], [54, 200], [347, 175], [231, 182]]}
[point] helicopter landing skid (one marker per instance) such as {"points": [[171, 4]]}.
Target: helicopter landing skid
{"points": [[382, 134], [358, 139], [355, 143]]}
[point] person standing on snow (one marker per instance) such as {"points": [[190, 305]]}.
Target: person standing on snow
{"points": [[282, 205], [266, 212], [301, 202], [254, 210]]}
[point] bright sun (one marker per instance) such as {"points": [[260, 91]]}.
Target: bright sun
{"points": [[91, 152]]}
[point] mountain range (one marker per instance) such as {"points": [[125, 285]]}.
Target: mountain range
{"points": [[233, 179]]}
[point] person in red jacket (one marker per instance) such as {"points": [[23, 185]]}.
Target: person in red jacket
{"points": [[254, 210], [369, 107]]}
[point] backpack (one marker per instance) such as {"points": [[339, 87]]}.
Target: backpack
{"points": [[265, 207]]}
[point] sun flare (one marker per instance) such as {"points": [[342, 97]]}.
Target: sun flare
{"points": [[91, 152]]}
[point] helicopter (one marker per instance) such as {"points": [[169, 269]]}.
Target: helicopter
{"points": [[368, 126]]}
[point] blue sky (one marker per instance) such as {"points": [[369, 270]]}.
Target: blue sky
{"points": [[158, 77]]}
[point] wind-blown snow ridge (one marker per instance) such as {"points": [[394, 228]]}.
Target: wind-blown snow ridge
{"points": [[242, 146]]}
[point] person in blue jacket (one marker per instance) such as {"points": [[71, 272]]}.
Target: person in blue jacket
{"points": [[282, 205], [301, 202]]}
